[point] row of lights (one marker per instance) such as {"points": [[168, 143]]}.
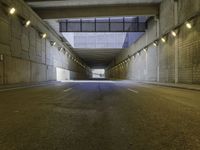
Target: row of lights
{"points": [[70, 56], [163, 39], [124, 62], [27, 23], [174, 33]]}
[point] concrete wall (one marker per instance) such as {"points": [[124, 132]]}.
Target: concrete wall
{"points": [[177, 60], [27, 57], [99, 40]]}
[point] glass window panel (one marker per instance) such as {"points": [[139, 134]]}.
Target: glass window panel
{"points": [[63, 27], [103, 20], [73, 27], [127, 26], [86, 26], [102, 27], [116, 19], [73, 20], [116, 26]]}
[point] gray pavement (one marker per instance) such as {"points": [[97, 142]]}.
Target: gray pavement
{"points": [[107, 115]]}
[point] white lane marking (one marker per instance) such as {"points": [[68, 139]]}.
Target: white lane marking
{"points": [[67, 90], [133, 91]]}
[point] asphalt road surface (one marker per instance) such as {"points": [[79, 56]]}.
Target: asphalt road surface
{"points": [[108, 115]]}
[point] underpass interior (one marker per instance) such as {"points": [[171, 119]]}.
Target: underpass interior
{"points": [[90, 74]]}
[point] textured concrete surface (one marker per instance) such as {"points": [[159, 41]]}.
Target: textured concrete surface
{"points": [[162, 64], [68, 3], [27, 57], [176, 85], [99, 116], [98, 11]]}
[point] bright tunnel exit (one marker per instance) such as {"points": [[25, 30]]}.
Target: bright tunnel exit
{"points": [[62, 74], [98, 73]]}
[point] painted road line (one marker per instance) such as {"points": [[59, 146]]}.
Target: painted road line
{"points": [[133, 91], [67, 90]]}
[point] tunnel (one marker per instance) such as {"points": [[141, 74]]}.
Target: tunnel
{"points": [[99, 74]]}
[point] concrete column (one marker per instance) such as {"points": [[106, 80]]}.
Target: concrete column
{"points": [[176, 40], [146, 65], [1, 69], [158, 50], [146, 59]]}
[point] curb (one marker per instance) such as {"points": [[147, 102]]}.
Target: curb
{"points": [[174, 86], [26, 85]]}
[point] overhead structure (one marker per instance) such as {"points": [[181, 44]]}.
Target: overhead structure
{"points": [[72, 3], [97, 57], [117, 24], [98, 11], [70, 16]]}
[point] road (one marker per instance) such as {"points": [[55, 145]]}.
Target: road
{"points": [[110, 115]]}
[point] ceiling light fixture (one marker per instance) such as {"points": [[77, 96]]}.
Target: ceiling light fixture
{"points": [[188, 25], [43, 35], [28, 22], [155, 43], [163, 39], [12, 11], [53, 43], [174, 33], [60, 48]]}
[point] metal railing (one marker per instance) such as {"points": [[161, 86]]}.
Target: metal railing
{"points": [[103, 25]]}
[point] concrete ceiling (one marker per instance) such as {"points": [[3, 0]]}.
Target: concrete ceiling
{"points": [[54, 10], [69, 3], [57, 9], [97, 58]]}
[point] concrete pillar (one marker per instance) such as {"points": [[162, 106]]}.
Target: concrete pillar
{"points": [[1, 69], [146, 59], [176, 40], [146, 65], [157, 48]]}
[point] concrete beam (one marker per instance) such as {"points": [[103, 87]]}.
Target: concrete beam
{"points": [[98, 11]]}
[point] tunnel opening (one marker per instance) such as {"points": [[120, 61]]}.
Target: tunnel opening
{"points": [[98, 73], [62, 74], [98, 40]]}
